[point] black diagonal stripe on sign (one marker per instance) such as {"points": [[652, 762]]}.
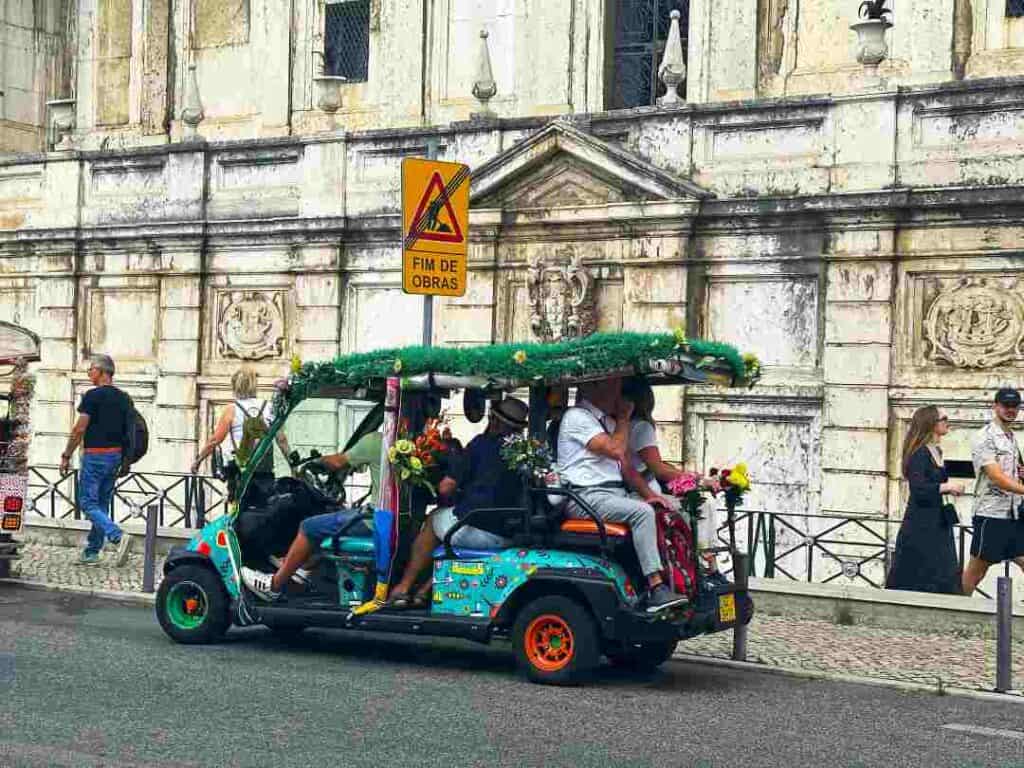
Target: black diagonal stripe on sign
{"points": [[435, 207]]}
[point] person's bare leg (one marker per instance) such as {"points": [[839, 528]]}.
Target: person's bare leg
{"points": [[298, 553], [973, 574], [420, 558]]}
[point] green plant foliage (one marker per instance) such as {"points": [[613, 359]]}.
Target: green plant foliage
{"points": [[589, 356]]}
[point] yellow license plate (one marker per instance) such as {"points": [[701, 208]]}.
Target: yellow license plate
{"points": [[727, 608]]}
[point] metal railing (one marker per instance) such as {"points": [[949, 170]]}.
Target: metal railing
{"points": [[821, 548], [181, 500]]}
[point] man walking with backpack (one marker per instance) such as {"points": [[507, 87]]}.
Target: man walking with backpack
{"points": [[102, 426]]}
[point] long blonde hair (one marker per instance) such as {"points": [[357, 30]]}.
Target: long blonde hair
{"points": [[922, 426], [243, 383]]}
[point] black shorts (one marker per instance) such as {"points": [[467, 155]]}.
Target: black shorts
{"points": [[996, 539]]}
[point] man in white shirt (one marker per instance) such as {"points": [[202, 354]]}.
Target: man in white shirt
{"points": [[998, 492], [593, 447]]}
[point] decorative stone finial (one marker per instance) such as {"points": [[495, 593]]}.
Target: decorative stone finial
{"points": [[484, 86], [192, 109], [673, 64]]}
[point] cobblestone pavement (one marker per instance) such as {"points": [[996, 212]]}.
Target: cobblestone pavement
{"points": [[781, 641]]}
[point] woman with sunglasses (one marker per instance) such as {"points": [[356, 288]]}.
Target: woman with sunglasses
{"points": [[925, 557]]}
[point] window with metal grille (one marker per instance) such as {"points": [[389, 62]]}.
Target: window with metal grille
{"points": [[347, 39], [641, 28], [1015, 8]]}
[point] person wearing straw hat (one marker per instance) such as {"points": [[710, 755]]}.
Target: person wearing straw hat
{"points": [[486, 482]]}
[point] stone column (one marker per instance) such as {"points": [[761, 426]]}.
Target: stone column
{"points": [[858, 345]]}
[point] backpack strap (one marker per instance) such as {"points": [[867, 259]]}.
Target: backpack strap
{"points": [[231, 429]]}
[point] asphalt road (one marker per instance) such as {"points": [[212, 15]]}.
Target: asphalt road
{"points": [[89, 683]]}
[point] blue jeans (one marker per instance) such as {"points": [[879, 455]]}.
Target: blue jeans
{"points": [[329, 525], [95, 489]]}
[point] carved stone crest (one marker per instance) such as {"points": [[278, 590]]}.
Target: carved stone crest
{"points": [[561, 297], [975, 324], [250, 324]]}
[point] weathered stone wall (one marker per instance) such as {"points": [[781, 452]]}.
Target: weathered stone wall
{"points": [[872, 275]]}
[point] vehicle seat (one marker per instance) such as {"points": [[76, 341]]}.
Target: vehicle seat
{"points": [[583, 533], [463, 553], [586, 525], [348, 545]]}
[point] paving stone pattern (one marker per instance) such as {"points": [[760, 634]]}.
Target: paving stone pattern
{"points": [[795, 643]]}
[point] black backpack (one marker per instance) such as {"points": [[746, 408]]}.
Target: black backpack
{"points": [[136, 438]]}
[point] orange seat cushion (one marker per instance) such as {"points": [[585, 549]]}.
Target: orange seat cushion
{"points": [[586, 525]]}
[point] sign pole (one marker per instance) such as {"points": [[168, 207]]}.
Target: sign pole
{"points": [[428, 300]]}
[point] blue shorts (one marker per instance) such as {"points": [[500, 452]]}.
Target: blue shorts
{"points": [[329, 525]]}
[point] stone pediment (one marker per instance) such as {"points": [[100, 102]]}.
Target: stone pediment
{"points": [[562, 166]]}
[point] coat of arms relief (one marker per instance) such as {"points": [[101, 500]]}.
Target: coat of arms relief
{"points": [[561, 294], [977, 323], [250, 324]]}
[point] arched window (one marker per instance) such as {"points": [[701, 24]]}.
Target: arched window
{"points": [[640, 28]]}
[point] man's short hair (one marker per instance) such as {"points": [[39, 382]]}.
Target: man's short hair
{"points": [[104, 362]]}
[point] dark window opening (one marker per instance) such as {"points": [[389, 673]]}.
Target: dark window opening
{"points": [[347, 39], [1014, 8], [641, 28]]}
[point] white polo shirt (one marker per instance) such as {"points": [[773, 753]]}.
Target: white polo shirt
{"points": [[576, 464]]}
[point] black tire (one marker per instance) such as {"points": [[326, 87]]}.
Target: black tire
{"points": [[641, 657], [5, 569], [562, 619], [206, 622]]}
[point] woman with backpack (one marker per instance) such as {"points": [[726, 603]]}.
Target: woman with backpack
{"points": [[243, 424]]}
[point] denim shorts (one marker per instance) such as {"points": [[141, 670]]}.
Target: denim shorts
{"points": [[443, 518], [320, 527]]}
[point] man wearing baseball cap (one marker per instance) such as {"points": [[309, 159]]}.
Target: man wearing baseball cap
{"points": [[998, 492]]}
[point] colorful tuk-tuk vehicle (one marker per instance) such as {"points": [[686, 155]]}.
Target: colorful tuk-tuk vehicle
{"points": [[563, 591], [18, 348]]}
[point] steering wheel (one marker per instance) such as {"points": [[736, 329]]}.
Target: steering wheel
{"points": [[330, 485]]}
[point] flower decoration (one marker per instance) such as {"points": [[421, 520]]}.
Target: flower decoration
{"points": [[417, 461], [520, 356], [680, 336], [752, 368], [296, 364], [733, 482], [397, 367], [527, 456], [687, 487]]}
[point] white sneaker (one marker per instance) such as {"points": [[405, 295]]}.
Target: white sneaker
{"points": [[301, 576], [124, 548], [259, 584]]}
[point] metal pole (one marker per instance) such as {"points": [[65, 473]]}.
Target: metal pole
{"points": [[741, 568], [149, 557], [433, 147], [1004, 632]]}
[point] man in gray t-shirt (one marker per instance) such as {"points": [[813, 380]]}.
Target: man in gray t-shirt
{"points": [[998, 492]]}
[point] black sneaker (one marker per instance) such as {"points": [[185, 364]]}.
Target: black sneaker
{"points": [[661, 597]]}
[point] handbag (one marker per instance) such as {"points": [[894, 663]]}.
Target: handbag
{"points": [[950, 517]]}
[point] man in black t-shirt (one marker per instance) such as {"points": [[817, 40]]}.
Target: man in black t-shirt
{"points": [[101, 428]]}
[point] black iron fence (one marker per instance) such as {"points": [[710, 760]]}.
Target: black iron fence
{"points": [[181, 500], [820, 548]]}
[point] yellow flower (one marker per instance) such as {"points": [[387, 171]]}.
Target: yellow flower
{"points": [[738, 477], [404, 446], [680, 335], [405, 473], [392, 454], [296, 364], [415, 464], [520, 356], [398, 366]]}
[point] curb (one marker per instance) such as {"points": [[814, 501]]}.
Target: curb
{"points": [[1014, 697], [127, 598]]}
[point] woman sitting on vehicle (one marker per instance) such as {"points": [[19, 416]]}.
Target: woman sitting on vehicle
{"points": [[487, 482]]}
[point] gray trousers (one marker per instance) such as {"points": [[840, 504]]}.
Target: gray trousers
{"points": [[615, 506]]}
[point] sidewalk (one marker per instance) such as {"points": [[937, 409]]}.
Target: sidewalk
{"points": [[949, 660]]}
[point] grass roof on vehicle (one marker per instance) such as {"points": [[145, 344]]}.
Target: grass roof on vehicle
{"points": [[575, 358]]}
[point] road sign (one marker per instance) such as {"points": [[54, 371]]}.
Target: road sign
{"points": [[435, 227]]}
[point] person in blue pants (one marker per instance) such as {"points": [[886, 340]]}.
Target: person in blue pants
{"points": [[100, 429]]}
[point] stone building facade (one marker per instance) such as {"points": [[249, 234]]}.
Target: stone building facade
{"points": [[188, 188]]}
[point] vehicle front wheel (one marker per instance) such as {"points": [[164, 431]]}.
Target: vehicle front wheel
{"points": [[556, 641], [641, 657], [192, 605]]}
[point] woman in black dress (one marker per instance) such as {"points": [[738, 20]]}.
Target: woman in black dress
{"points": [[925, 557]]}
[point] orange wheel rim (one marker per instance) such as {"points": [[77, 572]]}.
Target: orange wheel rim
{"points": [[549, 642]]}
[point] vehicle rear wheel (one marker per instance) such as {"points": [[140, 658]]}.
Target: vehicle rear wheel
{"points": [[192, 605], [641, 657], [556, 641]]}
